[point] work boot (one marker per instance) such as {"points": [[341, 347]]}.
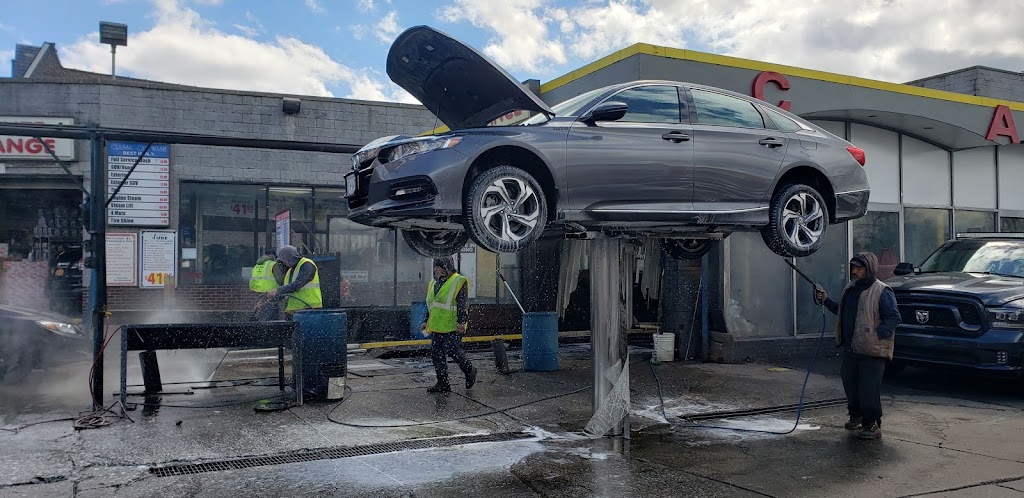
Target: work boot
{"points": [[471, 377], [439, 388], [854, 423], [872, 431]]}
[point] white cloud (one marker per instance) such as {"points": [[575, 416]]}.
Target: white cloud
{"points": [[315, 6], [255, 29], [521, 33], [215, 3], [387, 29], [359, 31], [249, 31], [184, 48], [894, 40], [366, 6]]}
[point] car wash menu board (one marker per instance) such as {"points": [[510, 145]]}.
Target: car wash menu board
{"points": [[144, 200], [159, 257]]}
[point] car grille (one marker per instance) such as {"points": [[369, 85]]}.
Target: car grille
{"points": [[953, 316]]}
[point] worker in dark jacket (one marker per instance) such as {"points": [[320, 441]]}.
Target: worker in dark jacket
{"points": [[447, 318], [301, 282], [866, 330]]}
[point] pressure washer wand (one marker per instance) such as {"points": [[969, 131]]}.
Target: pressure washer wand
{"points": [[817, 286], [513, 294]]}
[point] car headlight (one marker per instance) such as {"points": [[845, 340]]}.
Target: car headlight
{"points": [[62, 328], [1008, 316], [419, 147]]}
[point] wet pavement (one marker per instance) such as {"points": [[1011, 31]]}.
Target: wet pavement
{"points": [[519, 434]]}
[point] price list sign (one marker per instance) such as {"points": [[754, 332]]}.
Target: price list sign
{"points": [[145, 198], [159, 257]]}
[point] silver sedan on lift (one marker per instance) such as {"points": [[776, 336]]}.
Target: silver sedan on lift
{"points": [[683, 162]]}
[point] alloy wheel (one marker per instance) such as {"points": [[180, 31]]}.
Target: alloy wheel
{"points": [[803, 220], [510, 209]]}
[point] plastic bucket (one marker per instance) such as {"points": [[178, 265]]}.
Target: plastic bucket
{"points": [[324, 342], [665, 346], [418, 315], [540, 342]]}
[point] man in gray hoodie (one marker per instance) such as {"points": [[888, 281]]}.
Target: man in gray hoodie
{"points": [[301, 281], [866, 331]]}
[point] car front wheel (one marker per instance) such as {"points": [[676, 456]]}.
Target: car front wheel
{"points": [[435, 244], [505, 209], [797, 220]]}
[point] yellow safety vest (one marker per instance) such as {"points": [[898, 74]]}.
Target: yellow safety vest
{"points": [[442, 312], [309, 295], [262, 279]]}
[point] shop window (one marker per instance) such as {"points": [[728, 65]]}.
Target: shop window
{"points": [[329, 204], [367, 259], [879, 233], [828, 266], [222, 232], [414, 272], [925, 230], [298, 202], [1012, 225], [974, 221]]}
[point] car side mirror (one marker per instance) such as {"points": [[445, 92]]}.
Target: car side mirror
{"points": [[903, 269], [606, 111]]}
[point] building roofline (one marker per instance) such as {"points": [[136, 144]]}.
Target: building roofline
{"points": [[37, 59], [958, 71], [736, 62]]}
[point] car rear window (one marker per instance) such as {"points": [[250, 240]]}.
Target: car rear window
{"points": [[723, 110]]}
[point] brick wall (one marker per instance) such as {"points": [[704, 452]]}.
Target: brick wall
{"points": [[23, 283], [190, 297], [979, 81]]}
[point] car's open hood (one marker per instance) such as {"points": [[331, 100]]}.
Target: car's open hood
{"points": [[461, 86]]}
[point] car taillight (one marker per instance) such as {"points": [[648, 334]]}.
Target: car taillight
{"points": [[857, 154]]}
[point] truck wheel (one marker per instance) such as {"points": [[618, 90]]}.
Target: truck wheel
{"points": [[505, 209], [435, 244], [797, 221]]}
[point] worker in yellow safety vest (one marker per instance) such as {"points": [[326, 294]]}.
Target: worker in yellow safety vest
{"points": [[447, 318], [266, 276], [301, 282]]}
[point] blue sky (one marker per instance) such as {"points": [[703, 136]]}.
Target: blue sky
{"points": [[338, 47]]}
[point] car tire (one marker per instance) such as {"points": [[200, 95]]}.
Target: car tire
{"points": [[505, 209], [16, 364], [797, 221], [687, 249], [435, 244]]}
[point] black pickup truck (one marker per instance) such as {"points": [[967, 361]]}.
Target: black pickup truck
{"points": [[964, 307]]}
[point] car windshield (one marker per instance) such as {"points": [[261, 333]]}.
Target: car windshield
{"points": [[998, 257], [571, 107]]}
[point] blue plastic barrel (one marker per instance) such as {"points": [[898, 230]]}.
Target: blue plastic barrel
{"points": [[540, 341], [324, 346], [418, 315]]}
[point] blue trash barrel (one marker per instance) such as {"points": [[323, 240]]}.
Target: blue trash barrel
{"points": [[324, 346], [540, 341], [418, 315]]}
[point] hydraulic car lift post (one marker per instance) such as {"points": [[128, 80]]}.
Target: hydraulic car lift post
{"points": [[607, 340]]}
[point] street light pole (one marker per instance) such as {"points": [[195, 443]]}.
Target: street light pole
{"points": [[113, 34]]}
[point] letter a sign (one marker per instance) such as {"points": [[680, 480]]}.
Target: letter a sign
{"points": [[1002, 125]]}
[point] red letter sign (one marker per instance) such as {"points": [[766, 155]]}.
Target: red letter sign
{"points": [[771, 76], [1002, 124]]}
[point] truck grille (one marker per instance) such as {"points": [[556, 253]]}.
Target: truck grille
{"points": [[953, 316]]}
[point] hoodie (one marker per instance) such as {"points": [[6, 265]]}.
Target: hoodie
{"points": [[887, 309], [289, 256]]}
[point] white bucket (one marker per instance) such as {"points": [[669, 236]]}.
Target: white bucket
{"points": [[665, 346]]}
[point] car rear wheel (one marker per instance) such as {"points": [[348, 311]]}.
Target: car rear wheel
{"points": [[687, 249], [435, 244], [797, 221], [505, 209]]}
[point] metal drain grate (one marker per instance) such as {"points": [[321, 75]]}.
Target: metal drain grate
{"points": [[825, 403], [179, 469]]}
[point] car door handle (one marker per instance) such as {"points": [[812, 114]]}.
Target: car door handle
{"points": [[770, 142], [676, 136]]}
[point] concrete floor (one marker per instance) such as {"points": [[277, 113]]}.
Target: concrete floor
{"points": [[944, 435]]}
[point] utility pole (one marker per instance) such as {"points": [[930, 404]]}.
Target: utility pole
{"points": [[98, 284]]}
